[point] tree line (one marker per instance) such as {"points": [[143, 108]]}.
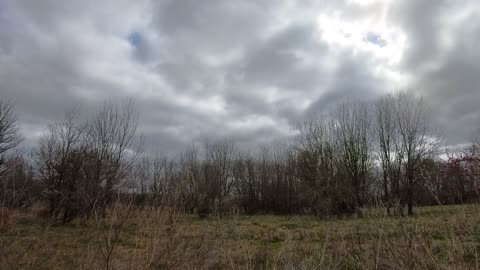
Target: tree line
{"points": [[384, 153]]}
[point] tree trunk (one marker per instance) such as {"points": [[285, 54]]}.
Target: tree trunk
{"points": [[410, 199]]}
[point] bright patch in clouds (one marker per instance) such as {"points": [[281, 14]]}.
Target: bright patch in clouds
{"points": [[365, 35]]}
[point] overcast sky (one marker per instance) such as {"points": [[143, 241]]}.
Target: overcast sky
{"points": [[247, 70]]}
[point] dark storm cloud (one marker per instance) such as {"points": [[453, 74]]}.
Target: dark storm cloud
{"points": [[351, 82], [246, 70], [273, 75], [422, 20], [444, 61]]}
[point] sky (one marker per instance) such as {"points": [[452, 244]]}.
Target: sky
{"points": [[245, 70]]}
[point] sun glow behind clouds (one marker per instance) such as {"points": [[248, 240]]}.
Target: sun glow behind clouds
{"points": [[369, 34], [362, 2]]}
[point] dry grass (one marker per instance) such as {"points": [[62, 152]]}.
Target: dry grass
{"points": [[436, 238]]}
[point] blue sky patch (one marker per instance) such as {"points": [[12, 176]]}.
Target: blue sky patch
{"points": [[135, 39], [375, 39]]}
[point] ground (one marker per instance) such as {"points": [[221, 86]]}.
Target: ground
{"points": [[441, 237]]}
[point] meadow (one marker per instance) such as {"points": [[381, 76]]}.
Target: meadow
{"points": [[440, 237]]}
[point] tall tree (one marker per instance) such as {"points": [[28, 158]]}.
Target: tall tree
{"points": [[9, 130], [418, 140], [217, 170], [110, 138], [389, 152], [59, 160], [352, 127]]}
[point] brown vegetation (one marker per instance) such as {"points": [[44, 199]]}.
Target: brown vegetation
{"points": [[437, 238]]}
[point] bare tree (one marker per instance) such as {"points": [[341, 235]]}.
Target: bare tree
{"points": [[110, 139], [9, 130], [18, 190], [217, 170], [417, 139], [82, 163], [246, 187], [352, 127], [192, 183], [59, 159], [475, 146], [388, 150], [317, 164], [163, 181]]}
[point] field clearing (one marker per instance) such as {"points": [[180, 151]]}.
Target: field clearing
{"points": [[442, 237]]}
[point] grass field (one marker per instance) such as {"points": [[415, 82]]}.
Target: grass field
{"points": [[442, 237]]}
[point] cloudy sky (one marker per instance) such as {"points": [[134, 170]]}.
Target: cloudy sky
{"points": [[247, 70]]}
